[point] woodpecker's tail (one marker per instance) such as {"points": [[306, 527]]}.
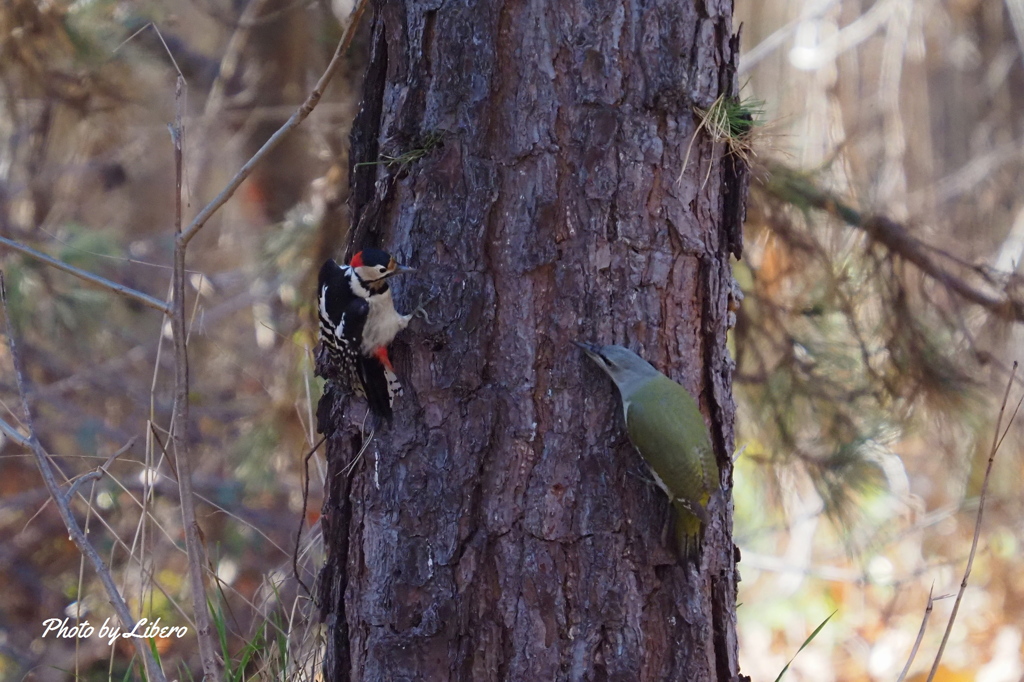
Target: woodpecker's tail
{"points": [[380, 383], [688, 532]]}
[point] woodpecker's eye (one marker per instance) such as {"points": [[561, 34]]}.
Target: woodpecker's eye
{"points": [[381, 269]]}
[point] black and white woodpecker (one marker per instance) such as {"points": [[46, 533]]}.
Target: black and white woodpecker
{"points": [[358, 321]]}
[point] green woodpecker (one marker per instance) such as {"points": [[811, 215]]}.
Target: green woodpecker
{"points": [[666, 426]]}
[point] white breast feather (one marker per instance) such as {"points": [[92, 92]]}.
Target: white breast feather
{"points": [[382, 323]]}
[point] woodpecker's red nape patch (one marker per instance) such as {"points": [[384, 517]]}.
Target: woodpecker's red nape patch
{"points": [[382, 355], [357, 260]]}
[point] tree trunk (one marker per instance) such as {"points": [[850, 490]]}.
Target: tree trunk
{"points": [[502, 527]]}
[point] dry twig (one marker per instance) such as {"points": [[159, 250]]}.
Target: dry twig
{"points": [[14, 434], [197, 560], [102, 282], [997, 440], [153, 671], [302, 517], [920, 635], [98, 472], [298, 117], [212, 665]]}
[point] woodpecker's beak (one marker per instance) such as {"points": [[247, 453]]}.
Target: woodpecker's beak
{"points": [[401, 270], [593, 350]]}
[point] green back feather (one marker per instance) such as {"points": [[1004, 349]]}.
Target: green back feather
{"points": [[666, 426]]}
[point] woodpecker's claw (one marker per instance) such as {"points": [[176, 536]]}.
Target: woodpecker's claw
{"points": [[421, 308]]}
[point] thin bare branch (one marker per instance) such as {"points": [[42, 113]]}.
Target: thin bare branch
{"points": [[167, 49], [302, 517], [212, 665], [98, 472], [153, 671], [996, 442], [298, 117], [1013, 417], [14, 434], [920, 634], [96, 280]]}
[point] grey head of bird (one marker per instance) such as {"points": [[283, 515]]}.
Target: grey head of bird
{"points": [[628, 370]]}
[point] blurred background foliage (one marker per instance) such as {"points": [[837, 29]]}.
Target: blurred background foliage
{"points": [[881, 313], [87, 176]]}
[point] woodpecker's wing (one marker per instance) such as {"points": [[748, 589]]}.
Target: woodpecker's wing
{"points": [[666, 426], [342, 313]]}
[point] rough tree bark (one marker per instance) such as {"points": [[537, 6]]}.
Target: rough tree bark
{"points": [[502, 527]]}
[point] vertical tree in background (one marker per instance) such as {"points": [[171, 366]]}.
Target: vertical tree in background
{"points": [[502, 527]]}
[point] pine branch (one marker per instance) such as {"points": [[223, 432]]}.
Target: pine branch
{"points": [[799, 189]]}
